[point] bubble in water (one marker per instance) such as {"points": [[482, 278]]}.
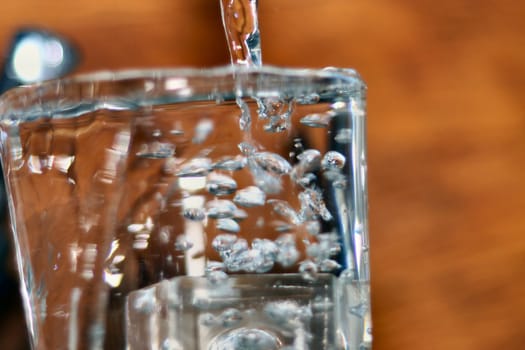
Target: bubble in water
{"points": [[250, 196], [217, 278], [268, 251], [208, 320], [228, 225], [194, 214], [312, 205], [287, 313], [195, 167], [240, 214], [230, 318], [246, 339], [308, 270], [223, 242], [272, 163], [313, 227], [329, 265], [333, 160], [288, 253], [284, 210], [182, 243], [165, 234], [359, 310], [156, 150], [317, 120], [247, 148], [220, 185], [309, 161], [202, 131], [308, 99], [220, 209], [230, 163], [245, 121], [176, 132], [344, 136], [145, 301]]}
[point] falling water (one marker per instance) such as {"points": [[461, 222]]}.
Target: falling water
{"points": [[239, 18]]}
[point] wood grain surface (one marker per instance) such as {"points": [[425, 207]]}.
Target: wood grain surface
{"points": [[446, 138]]}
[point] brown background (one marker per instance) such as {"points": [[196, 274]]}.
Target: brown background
{"points": [[446, 138]]}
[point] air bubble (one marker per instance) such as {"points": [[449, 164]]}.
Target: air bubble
{"points": [[182, 243], [223, 242], [308, 270], [333, 160], [250, 196], [220, 209], [230, 318], [220, 185], [156, 150], [228, 225], [194, 214], [230, 163], [329, 265], [272, 163], [284, 209], [344, 136], [202, 131], [195, 167], [317, 120]]}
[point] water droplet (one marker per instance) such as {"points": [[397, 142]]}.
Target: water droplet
{"points": [[329, 265], [230, 318], [230, 163], [284, 210], [333, 160], [308, 270], [272, 163], [156, 150], [220, 209], [195, 167], [223, 242], [228, 225], [194, 214], [202, 131], [182, 243], [317, 120], [220, 185], [344, 136], [250, 196]]}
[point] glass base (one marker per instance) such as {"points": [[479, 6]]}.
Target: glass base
{"points": [[249, 312]]}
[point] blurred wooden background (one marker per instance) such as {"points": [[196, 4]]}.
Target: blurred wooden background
{"points": [[446, 138]]}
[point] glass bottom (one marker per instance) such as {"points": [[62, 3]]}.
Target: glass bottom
{"points": [[250, 312]]}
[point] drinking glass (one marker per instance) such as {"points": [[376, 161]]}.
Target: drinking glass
{"points": [[187, 209]]}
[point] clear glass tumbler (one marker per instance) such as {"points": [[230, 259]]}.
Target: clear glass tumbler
{"points": [[216, 209]]}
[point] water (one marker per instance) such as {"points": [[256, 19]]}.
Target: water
{"points": [[220, 224], [239, 18]]}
